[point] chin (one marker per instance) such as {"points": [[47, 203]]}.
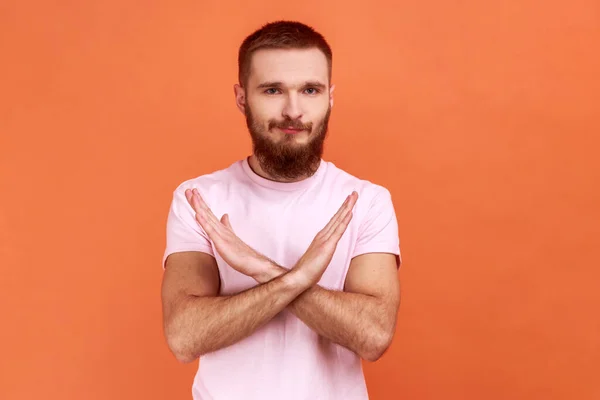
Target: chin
{"points": [[295, 140]]}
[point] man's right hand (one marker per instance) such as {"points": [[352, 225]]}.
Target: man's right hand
{"points": [[232, 249], [311, 266]]}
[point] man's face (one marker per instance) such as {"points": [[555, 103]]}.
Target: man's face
{"points": [[287, 107]]}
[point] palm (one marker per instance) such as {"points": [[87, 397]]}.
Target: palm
{"points": [[320, 252], [237, 253], [231, 248]]}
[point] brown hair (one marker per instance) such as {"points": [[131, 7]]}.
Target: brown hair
{"points": [[280, 35]]}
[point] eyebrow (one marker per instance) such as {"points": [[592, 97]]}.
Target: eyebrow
{"points": [[316, 84]]}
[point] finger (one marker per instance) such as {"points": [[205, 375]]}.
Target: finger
{"points": [[337, 217], [200, 214], [199, 200], [210, 229], [342, 213], [189, 196], [202, 204], [208, 220], [341, 228], [326, 230], [205, 224], [342, 217], [225, 221], [210, 223]]}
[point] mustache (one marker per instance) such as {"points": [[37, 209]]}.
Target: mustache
{"points": [[289, 123]]}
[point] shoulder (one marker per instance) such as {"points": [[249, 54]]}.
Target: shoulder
{"points": [[213, 183], [368, 191]]}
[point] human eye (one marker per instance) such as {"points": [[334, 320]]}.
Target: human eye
{"points": [[311, 91], [271, 91]]}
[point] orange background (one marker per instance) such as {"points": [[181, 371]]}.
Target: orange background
{"points": [[482, 118]]}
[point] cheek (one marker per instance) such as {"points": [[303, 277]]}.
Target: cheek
{"points": [[265, 111], [318, 111], [317, 105]]}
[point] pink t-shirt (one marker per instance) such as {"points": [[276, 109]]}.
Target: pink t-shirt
{"points": [[284, 359]]}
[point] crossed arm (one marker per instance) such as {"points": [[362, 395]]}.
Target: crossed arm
{"points": [[362, 318], [197, 321]]}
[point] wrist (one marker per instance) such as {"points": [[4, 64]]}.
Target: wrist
{"points": [[297, 278], [269, 272]]}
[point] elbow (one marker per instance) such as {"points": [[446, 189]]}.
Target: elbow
{"points": [[184, 357], [377, 346], [180, 347]]}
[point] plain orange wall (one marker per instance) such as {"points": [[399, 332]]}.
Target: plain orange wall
{"points": [[482, 118]]}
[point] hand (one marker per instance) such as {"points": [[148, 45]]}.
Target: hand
{"points": [[314, 262], [232, 249]]}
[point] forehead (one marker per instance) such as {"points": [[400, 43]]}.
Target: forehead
{"points": [[290, 66]]}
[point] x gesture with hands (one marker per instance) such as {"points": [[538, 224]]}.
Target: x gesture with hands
{"points": [[248, 261], [361, 317]]}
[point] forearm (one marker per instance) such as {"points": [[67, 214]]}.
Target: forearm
{"points": [[206, 324], [353, 320], [356, 321]]}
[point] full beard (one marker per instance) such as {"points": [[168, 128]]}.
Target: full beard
{"points": [[284, 159]]}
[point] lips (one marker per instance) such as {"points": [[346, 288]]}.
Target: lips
{"points": [[291, 130]]}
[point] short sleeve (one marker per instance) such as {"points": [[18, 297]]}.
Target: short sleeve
{"points": [[184, 233], [378, 232]]}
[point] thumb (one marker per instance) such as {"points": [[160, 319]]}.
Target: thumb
{"points": [[225, 221]]}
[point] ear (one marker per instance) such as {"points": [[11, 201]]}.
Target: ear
{"points": [[240, 97], [331, 89]]}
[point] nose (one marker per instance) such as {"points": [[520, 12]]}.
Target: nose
{"points": [[292, 108]]}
